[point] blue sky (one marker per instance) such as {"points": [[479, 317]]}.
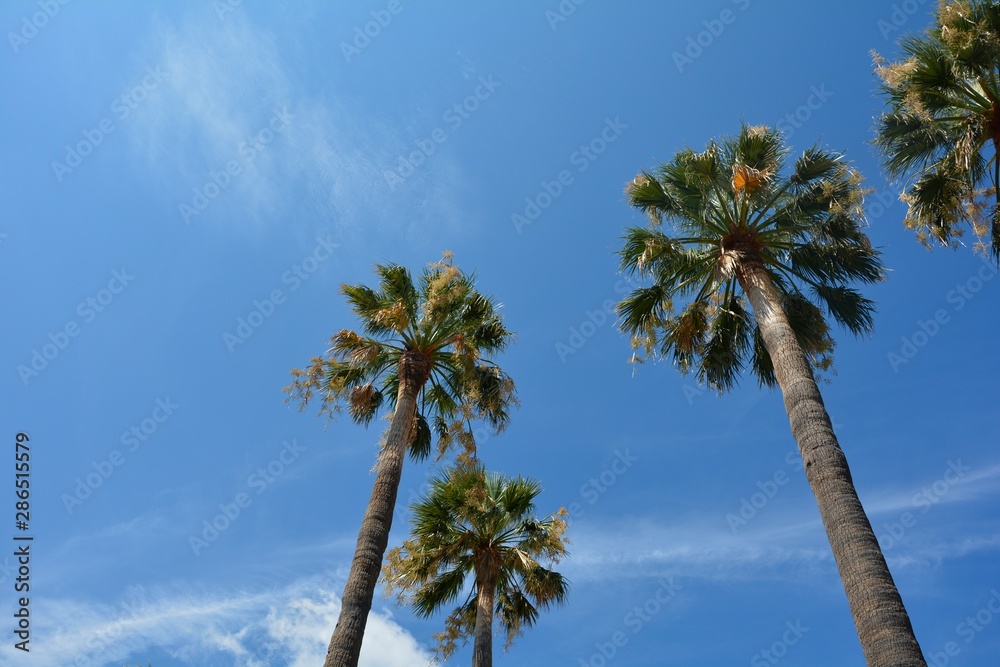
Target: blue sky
{"points": [[187, 185]]}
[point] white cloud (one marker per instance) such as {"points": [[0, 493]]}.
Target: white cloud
{"points": [[289, 627], [786, 541], [694, 549], [223, 83], [933, 552], [949, 487]]}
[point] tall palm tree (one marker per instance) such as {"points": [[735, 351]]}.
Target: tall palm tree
{"points": [[942, 121], [742, 230], [425, 350], [479, 526]]}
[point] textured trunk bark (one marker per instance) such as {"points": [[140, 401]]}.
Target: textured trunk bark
{"points": [[882, 623], [345, 645], [482, 652], [995, 219]]}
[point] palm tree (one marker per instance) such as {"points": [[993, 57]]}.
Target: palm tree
{"points": [[789, 244], [943, 115], [426, 352], [479, 526]]}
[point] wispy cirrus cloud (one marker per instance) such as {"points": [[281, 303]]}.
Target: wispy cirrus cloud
{"points": [[228, 100], [958, 482], [786, 540], [694, 548], [230, 97]]}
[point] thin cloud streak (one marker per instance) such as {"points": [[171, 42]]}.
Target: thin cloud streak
{"points": [[978, 483], [782, 545]]}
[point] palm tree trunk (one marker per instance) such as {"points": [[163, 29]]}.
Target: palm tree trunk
{"points": [[995, 218], [482, 652], [345, 645], [882, 623]]}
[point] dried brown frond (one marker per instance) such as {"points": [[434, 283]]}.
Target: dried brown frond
{"points": [[747, 179], [896, 74]]}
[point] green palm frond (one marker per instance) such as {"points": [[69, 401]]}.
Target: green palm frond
{"points": [[515, 612], [727, 344], [836, 251], [684, 335], [547, 587], [760, 362], [420, 448], [644, 310], [851, 310], [441, 590], [815, 164], [811, 329]]}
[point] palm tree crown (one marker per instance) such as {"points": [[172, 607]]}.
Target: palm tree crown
{"points": [[731, 207], [943, 100], [481, 526], [441, 331]]}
